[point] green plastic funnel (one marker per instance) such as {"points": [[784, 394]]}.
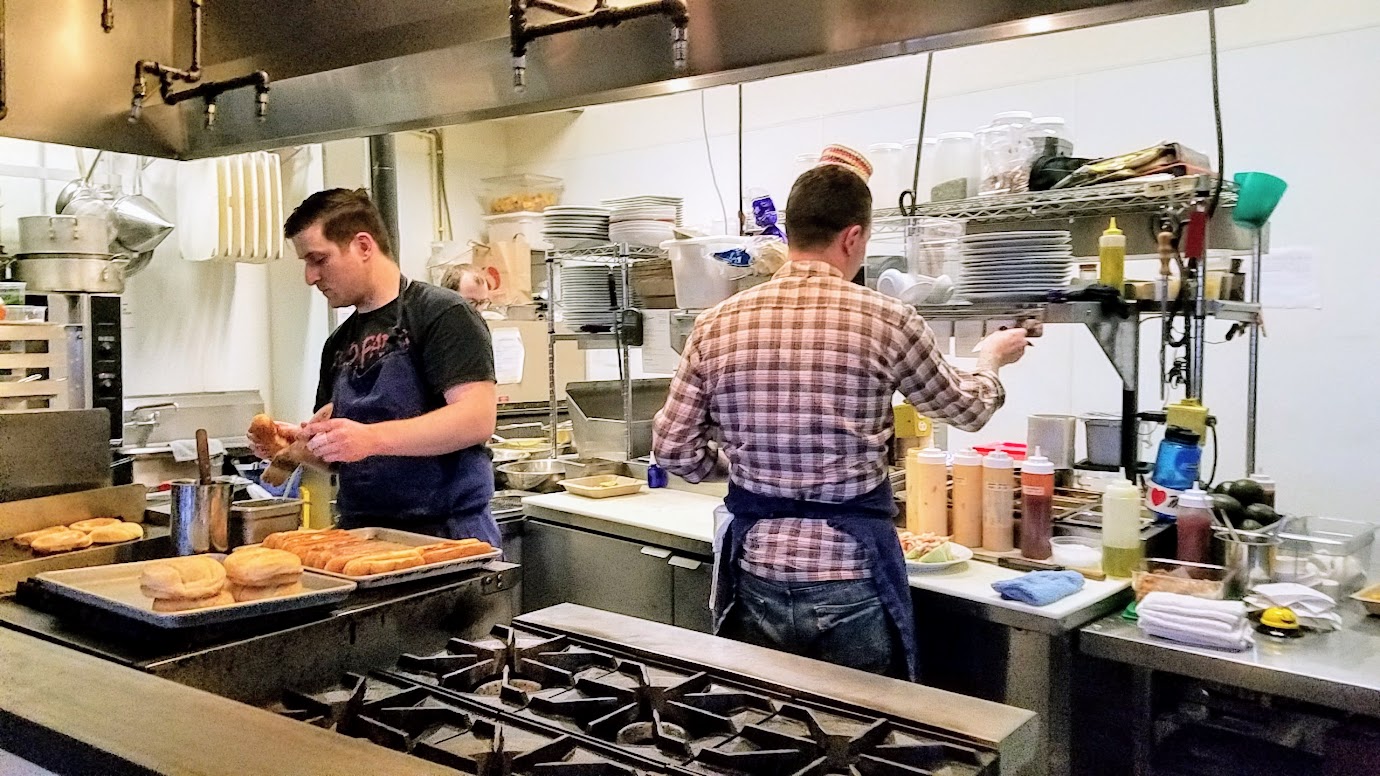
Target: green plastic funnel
{"points": [[1258, 194]]}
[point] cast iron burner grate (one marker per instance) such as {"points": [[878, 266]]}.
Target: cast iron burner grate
{"points": [[418, 721]]}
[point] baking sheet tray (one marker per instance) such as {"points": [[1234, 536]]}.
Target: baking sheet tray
{"points": [[416, 572], [115, 589]]}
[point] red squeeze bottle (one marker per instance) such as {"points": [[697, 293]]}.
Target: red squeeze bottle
{"points": [[1194, 524], [1037, 506]]}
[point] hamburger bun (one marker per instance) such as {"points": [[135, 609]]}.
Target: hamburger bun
{"points": [[196, 576], [262, 566], [188, 604], [61, 541], [120, 532]]}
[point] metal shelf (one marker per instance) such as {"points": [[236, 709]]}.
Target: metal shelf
{"points": [[612, 254], [1108, 199]]}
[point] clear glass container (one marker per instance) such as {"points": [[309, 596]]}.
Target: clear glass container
{"points": [[523, 193], [889, 178], [804, 163], [956, 166], [927, 168]]}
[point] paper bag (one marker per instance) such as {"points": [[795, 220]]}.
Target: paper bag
{"points": [[508, 263]]}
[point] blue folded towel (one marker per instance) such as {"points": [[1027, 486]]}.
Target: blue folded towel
{"points": [[1040, 588]]}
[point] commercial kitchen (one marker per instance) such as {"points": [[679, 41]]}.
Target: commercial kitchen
{"points": [[1155, 557]]}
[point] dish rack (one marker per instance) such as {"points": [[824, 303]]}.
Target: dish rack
{"points": [[231, 208], [33, 366]]}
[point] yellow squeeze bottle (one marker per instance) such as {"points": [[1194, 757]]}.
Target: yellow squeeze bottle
{"points": [[1111, 258]]}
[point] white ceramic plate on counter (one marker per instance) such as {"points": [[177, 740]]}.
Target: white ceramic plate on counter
{"points": [[960, 554]]}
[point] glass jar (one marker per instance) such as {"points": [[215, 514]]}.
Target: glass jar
{"points": [[1049, 136], [889, 176], [956, 167]]}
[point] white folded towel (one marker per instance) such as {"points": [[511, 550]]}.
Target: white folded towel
{"points": [[184, 450], [1198, 621], [1225, 612], [1238, 640], [1172, 620], [1295, 596]]}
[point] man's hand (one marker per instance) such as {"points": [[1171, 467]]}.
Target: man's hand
{"points": [[1003, 348], [343, 441]]}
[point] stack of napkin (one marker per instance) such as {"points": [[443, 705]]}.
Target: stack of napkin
{"points": [[1197, 621], [1314, 609]]}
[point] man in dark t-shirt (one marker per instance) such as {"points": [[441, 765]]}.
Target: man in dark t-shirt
{"points": [[406, 398]]}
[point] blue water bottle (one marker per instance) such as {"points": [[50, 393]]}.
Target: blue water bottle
{"points": [[1176, 463]]}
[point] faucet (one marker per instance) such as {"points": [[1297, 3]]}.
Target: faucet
{"points": [[143, 419]]}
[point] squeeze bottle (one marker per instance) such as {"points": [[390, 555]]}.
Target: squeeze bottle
{"points": [[998, 502], [1111, 258], [967, 516], [1121, 547], [1037, 506]]}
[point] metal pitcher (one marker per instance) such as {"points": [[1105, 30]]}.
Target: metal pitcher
{"points": [[1249, 562], [201, 516]]}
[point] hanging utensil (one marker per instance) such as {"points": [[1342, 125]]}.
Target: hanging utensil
{"points": [[139, 225]]}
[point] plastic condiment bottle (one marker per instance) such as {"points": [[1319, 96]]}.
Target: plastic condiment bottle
{"points": [[998, 502], [1111, 258], [967, 515], [933, 468], [1121, 548], [1267, 484], [1194, 524], [1037, 506]]}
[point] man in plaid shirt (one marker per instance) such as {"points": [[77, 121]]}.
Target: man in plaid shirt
{"points": [[789, 386]]}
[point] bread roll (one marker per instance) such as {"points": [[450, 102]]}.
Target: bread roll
{"points": [[344, 555], [263, 432], [242, 593], [262, 566], [381, 562], [197, 576], [87, 526], [465, 548], [61, 541], [120, 532], [27, 539], [188, 604]]}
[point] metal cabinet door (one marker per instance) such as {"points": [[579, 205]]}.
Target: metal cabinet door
{"points": [[563, 565], [692, 577]]}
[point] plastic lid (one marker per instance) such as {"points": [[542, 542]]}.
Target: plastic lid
{"points": [[1049, 121], [1181, 435], [1013, 117], [1263, 479], [884, 147], [968, 457], [933, 455], [1111, 228], [1194, 498], [807, 157], [1037, 464], [956, 136], [1122, 489], [998, 460]]}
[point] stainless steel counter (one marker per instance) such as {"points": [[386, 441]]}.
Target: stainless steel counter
{"points": [[1339, 670]]}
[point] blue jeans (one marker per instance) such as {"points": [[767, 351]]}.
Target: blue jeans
{"points": [[838, 622]]}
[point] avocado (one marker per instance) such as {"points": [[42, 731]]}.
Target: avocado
{"points": [[1248, 492], [1222, 487], [1229, 507], [1250, 525], [1262, 513]]}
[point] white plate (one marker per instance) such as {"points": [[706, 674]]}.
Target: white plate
{"points": [[980, 261], [1004, 296], [225, 215], [960, 553], [1019, 235], [1034, 250]]}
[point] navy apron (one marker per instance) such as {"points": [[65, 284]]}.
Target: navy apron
{"points": [[867, 518], [445, 495]]}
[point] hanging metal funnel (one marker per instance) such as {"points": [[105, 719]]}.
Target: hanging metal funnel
{"points": [[139, 225]]}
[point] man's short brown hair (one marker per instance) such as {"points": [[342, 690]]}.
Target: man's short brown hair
{"points": [[342, 213], [825, 201]]}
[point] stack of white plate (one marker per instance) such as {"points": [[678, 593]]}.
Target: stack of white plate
{"points": [[1015, 265], [572, 227], [646, 225], [584, 294], [650, 201]]}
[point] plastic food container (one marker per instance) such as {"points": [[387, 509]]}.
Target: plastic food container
{"points": [[1076, 552], [519, 193], [701, 280], [888, 175], [1200, 580], [956, 167], [23, 313], [12, 293], [1103, 431], [1327, 553]]}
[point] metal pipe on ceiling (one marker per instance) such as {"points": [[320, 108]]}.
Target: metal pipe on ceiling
{"points": [[383, 185]]}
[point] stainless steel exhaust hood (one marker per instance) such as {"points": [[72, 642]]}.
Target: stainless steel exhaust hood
{"points": [[347, 68]]}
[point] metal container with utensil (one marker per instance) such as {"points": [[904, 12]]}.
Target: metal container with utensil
{"points": [[1249, 559], [201, 516]]}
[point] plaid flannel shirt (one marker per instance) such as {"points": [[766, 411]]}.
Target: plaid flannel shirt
{"points": [[794, 379]]}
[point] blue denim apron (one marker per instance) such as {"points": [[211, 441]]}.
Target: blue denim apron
{"points": [[867, 518], [445, 495]]}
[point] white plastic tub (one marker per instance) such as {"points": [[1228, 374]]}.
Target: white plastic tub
{"points": [[701, 280]]}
